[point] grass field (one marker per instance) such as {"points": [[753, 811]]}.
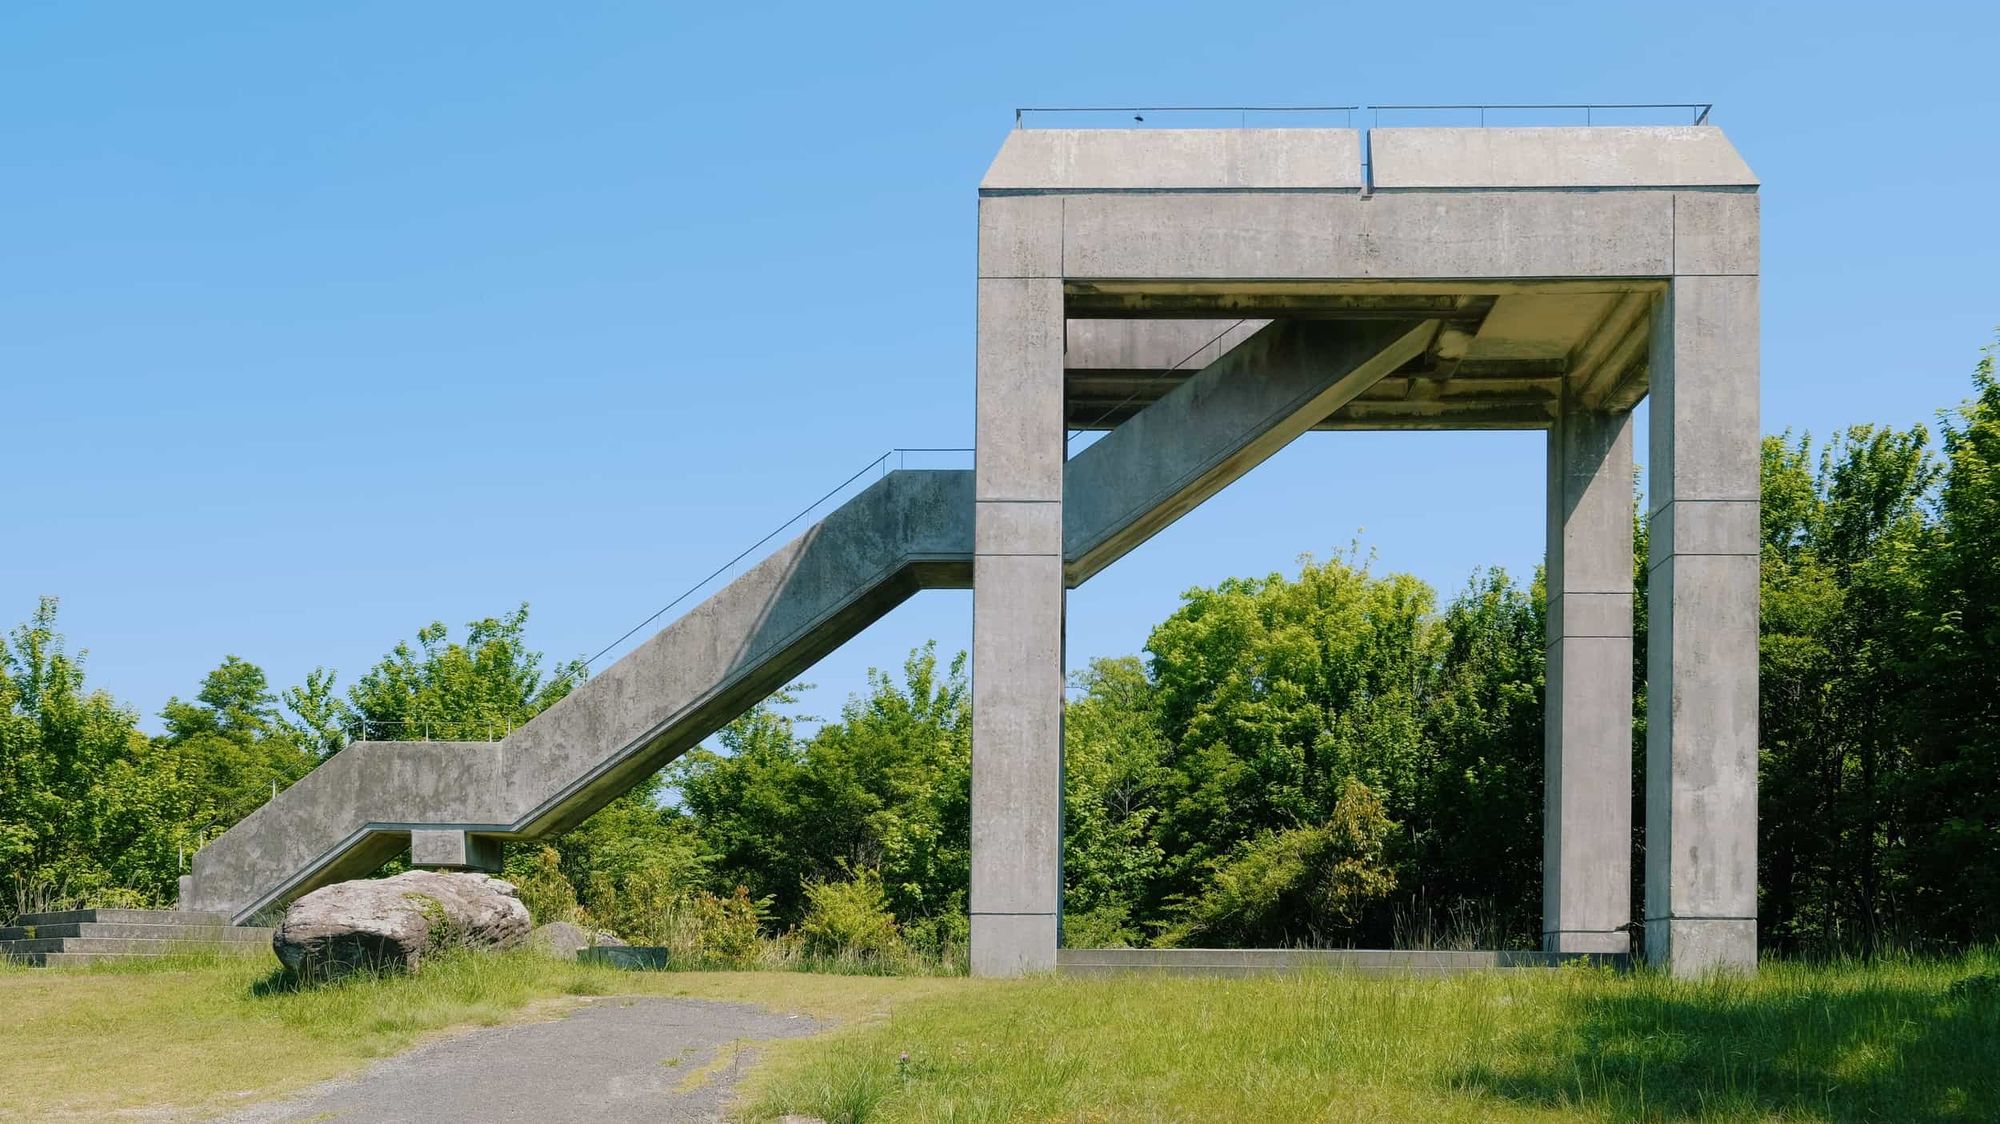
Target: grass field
{"points": [[206, 1034], [1896, 1041]]}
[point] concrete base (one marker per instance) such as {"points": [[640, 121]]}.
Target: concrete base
{"points": [[454, 850], [1287, 961], [1693, 947], [1013, 944]]}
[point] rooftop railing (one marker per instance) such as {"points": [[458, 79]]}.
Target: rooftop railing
{"points": [[1369, 116]]}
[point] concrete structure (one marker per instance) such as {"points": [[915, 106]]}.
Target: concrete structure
{"points": [[1206, 296]]}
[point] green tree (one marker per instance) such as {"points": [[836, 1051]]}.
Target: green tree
{"points": [[64, 755], [1953, 720]]}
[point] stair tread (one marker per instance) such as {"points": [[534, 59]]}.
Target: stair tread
{"points": [[136, 930], [122, 916]]}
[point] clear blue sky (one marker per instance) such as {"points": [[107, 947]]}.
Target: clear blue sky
{"points": [[320, 322]]}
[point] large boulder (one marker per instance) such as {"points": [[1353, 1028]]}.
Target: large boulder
{"points": [[394, 922]]}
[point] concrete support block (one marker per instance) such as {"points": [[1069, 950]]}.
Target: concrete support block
{"points": [[452, 849], [1587, 811], [1701, 738]]}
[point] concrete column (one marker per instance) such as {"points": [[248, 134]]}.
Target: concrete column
{"points": [[1587, 803], [1701, 735], [1018, 590]]}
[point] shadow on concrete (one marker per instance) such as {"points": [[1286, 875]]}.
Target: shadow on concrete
{"points": [[1656, 1050]]}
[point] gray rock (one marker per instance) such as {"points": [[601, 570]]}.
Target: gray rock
{"points": [[564, 940], [394, 922]]}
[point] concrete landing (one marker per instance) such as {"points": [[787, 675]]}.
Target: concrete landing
{"points": [[1283, 961]]}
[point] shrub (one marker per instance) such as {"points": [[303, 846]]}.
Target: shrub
{"points": [[545, 891], [850, 920], [1301, 885]]}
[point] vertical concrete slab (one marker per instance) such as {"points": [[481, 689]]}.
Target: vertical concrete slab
{"points": [[1701, 744], [1587, 801], [1018, 591]]}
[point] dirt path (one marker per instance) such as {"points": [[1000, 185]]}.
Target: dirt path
{"points": [[615, 1059]]}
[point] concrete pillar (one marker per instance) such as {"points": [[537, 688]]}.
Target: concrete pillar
{"points": [[1018, 590], [1701, 734], [1587, 803]]}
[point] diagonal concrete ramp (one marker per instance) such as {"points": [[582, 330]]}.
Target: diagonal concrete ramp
{"points": [[1210, 430], [912, 530]]}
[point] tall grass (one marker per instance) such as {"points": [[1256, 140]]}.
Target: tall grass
{"points": [[1896, 1040]]}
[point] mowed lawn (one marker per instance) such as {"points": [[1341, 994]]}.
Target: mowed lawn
{"points": [[1897, 1041]]}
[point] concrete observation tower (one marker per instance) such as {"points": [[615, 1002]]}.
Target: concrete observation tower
{"points": [[1207, 295]]}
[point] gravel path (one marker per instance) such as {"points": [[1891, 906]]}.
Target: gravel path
{"points": [[613, 1059]]}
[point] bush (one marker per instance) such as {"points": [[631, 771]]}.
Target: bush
{"points": [[850, 921], [1303, 885], [545, 891]]}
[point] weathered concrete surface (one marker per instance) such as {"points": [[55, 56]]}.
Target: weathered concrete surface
{"points": [[1018, 597], [395, 922], [1587, 807], [1560, 158], [611, 1060], [1701, 730]]}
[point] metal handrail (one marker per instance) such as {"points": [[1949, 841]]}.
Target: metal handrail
{"points": [[1700, 110], [891, 461], [879, 466], [1021, 111]]}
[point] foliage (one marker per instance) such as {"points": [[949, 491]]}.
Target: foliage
{"points": [[1304, 885], [886, 788], [850, 920]]}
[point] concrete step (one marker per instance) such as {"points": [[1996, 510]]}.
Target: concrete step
{"points": [[208, 932], [121, 917], [130, 946], [71, 959], [1272, 961]]}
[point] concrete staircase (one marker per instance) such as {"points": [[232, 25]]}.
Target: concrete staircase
{"points": [[453, 803], [87, 936]]}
